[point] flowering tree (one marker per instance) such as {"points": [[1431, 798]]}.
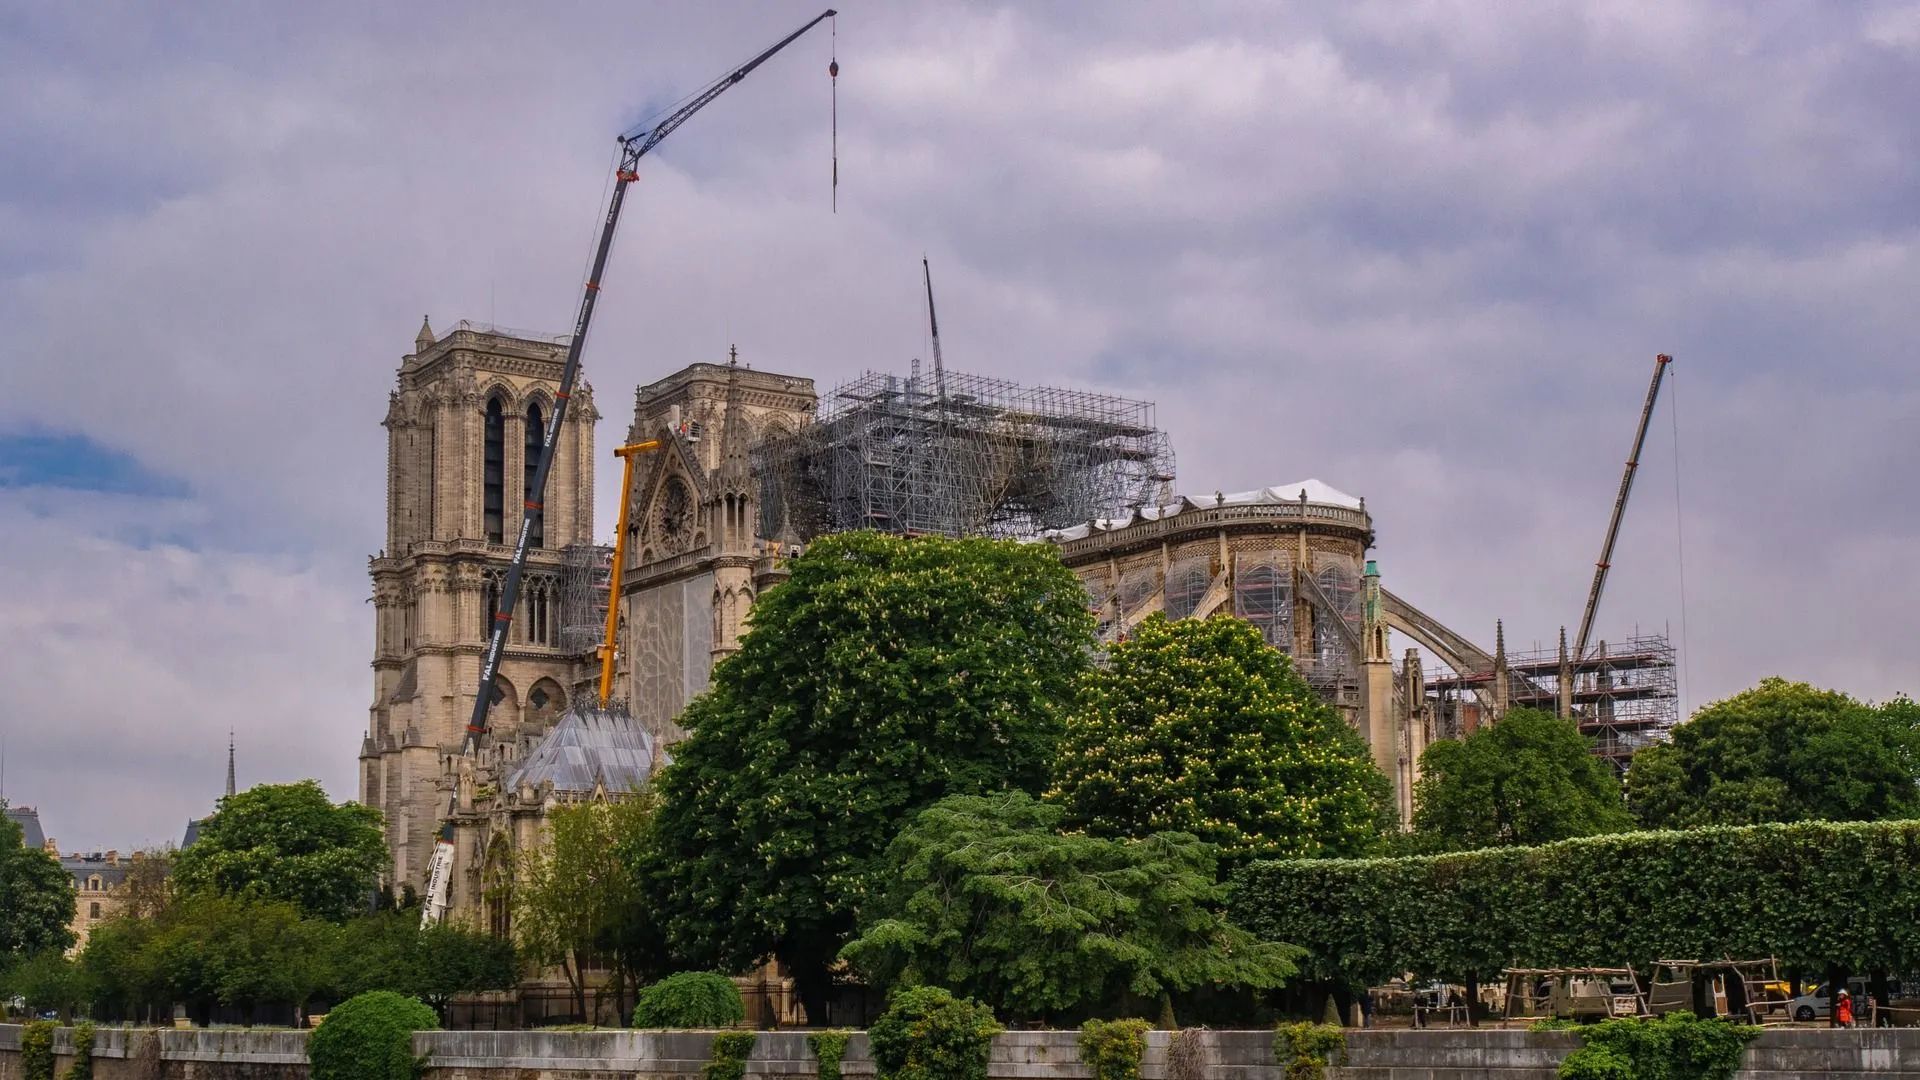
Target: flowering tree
{"points": [[1196, 726], [884, 675]]}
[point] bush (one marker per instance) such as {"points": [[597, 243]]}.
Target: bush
{"points": [[1305, 1050], [36, 1051], [1112, 1048], [82, 1052], [1678, 1046], [370, 1037], [829, 1047], [731, 1049], [1758, 890], [690, 999], [928, 1034]]}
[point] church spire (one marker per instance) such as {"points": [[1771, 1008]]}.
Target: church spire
{"points": [[229, 763], [424, 339], [734, 435]]}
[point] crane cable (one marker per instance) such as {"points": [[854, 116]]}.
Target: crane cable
{"points": [[833, 80], [1679, 532]]}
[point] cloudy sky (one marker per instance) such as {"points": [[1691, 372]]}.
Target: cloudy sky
{"points": [[1425, 252]]}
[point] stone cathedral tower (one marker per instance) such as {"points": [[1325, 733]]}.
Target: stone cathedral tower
{"points": [[464, 429]]}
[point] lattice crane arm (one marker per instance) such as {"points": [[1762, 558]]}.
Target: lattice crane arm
{"points": [[634, 145], [1619, 510]]}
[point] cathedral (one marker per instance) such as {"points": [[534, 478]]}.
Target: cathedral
{"points": [[465, 423]]}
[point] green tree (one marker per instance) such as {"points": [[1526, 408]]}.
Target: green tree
{"points": [[213, 950], [49, 982], [36, 898], [1532, 778], [286, 842], [390, 950], [569, 893], [1198, 726], [986, 899], [885, 674], [1782, 751], [370, 1037], [117, 966]]}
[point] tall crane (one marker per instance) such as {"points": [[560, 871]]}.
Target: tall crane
{"points": [[1619, 510], [634, 145]]}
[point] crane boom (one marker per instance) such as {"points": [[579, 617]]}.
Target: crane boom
{"points": [[1619, 509], [634, 145], [933, 324]]}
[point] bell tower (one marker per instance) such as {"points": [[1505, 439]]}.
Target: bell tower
{"points": [[465, 423]]}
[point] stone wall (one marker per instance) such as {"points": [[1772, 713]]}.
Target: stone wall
{"points": [[121, 1054]]}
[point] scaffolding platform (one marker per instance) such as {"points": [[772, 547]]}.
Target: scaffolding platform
{"points": [[954, 454], [1622, 695]]}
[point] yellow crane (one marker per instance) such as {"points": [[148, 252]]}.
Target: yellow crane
{"points": [[627, 454]]}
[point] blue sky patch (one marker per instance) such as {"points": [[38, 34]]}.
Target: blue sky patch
{"points": [[77, 463]]}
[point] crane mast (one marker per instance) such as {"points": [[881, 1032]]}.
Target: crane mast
{"points": [[1619, 510], [634, 145]]}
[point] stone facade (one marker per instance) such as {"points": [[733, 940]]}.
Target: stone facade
{"points": [[699, 546], [1292, 560], [1485, 1054], [464, 426]]}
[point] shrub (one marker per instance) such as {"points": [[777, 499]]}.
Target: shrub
{"points": [[928, 1034], [690, 999], [82, 1052], [1678, 1046], [1305, 1050], [731, 1049], [829, 1046], [1112, 1048], [36, 1051], [370, 1037]]}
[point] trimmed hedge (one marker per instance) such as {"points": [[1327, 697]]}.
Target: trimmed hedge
{"points": [[1630, 898], [690, 999], [928, 1034], [1113, 1048], [370, 1037]]}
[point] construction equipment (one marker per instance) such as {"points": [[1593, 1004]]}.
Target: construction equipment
{"points": [[1619, 510], [634, 145], [607, 643]]}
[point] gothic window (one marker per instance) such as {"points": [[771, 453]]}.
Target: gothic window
{"points": [[536, 441], [494, 474], [489, 604], [1260, 596], [1186, 587]]}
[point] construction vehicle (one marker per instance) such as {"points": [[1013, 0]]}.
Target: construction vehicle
{"points": [[634, 145], [1619, 511]]}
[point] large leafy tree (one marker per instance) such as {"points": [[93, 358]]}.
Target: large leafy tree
{"points": [[36, 898], [392, 951], [211, 949], [1782, 751], [1197, 726], [885, 674], [569, 893], [985, 898], [286, 842], [1532, 778]]}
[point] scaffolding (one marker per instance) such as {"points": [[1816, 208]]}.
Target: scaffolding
{"points": [[1622, 695], [961, 455], [585, 582]]}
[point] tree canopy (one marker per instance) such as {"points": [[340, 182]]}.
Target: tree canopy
{"points": [[1531, 778], [885, 674], [984, 898], [1782, 751], [36, 898], [1197, 726], [286, 842], [570, 894]]}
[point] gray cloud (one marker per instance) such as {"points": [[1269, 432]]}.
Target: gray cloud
{"points": [[1424, 252]]}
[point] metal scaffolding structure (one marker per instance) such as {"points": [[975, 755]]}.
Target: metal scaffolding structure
{"points": [[584, 588], [1623, 695], [961, 455]]}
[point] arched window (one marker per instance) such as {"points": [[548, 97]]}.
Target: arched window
{"points": [[494, 470], [489, 604], [536, 441], [1261, 595], [1186, 587]]}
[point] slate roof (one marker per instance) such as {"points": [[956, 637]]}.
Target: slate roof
{"points": [[29, 821], [589, 744]]}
